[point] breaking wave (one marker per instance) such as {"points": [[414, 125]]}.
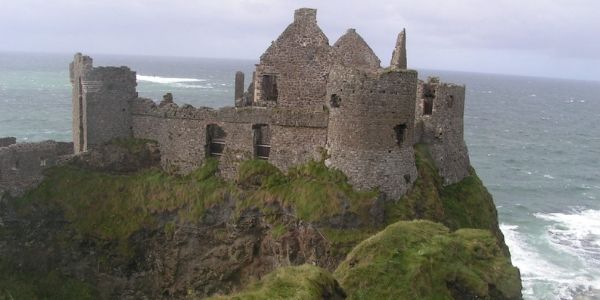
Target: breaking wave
{"points": [[574, 240], [166, 80], [577, 233]]}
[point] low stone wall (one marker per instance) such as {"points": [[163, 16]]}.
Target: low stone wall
{"points": [[21, 164]]}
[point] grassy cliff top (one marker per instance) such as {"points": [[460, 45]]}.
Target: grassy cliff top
{"points": [[424, 260], [406, 260]]}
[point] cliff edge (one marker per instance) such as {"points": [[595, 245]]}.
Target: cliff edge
{"points": [[86, 232]]}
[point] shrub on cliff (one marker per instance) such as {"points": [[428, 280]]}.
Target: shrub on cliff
{"points": [[424, 260], [465, 204], [301, 282]]}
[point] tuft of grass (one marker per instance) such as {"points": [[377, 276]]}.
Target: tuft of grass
{"points": [[343, 240], [312, 191], [278, 230], [259, 173], [300, 282], [424, 260]]}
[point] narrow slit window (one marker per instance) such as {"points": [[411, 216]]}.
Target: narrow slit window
{"points": [[335, 101], [262, 141], [80, 121], [400, 131], [450, 101], [215, 140], [428, 97], [269, 87], [428, 106]]}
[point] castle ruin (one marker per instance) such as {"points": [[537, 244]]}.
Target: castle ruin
{"points": [[306, 100]]}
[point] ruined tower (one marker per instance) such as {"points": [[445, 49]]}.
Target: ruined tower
{"points": [[100, 102], [371, 119], [439, 123]]}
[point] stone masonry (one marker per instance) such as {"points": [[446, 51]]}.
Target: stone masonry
{"points": [[21, 164], [307, 100], [100, 102], [439, 123]]}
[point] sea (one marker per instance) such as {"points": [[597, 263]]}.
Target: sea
{"points": [[535, 142]]}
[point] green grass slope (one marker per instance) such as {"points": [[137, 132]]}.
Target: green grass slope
{"points": [[465, 204], [424, 260]]}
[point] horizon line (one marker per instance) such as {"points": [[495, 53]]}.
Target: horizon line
{"points": [[257, 60]]}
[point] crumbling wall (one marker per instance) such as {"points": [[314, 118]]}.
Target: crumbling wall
{"points": [[440, 123], [297, 64], [21, 164], [7, 141], [295, 136], [100, 102], [371, 126]]}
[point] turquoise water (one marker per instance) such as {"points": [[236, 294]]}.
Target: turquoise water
{"points": [[535, 142]]}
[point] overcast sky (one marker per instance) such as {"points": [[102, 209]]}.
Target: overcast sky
{"points": [[557, 38]]}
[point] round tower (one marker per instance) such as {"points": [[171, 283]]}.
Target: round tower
{"points": [[371, 127]]}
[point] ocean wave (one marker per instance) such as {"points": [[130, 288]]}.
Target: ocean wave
{"points": [[166, 80], [577, 233], [543, 278], [193, 86]]}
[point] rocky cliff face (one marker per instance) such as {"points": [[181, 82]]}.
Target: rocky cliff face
{"points": [[138, 233]]}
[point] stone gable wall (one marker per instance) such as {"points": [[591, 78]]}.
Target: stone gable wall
{"points": [[352, 50], [298, 59]]}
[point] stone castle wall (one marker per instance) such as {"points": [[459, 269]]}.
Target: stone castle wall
{"points": [[441, 126], [295, 136], [371, 128], [21, 164]]}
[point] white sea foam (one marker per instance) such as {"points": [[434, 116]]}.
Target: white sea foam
{"points": [[548, 176], [577, 233], [166, 80], [542, 277], [192, 86]]}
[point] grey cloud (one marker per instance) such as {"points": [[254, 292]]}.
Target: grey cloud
{"points": [[534, 32]]}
